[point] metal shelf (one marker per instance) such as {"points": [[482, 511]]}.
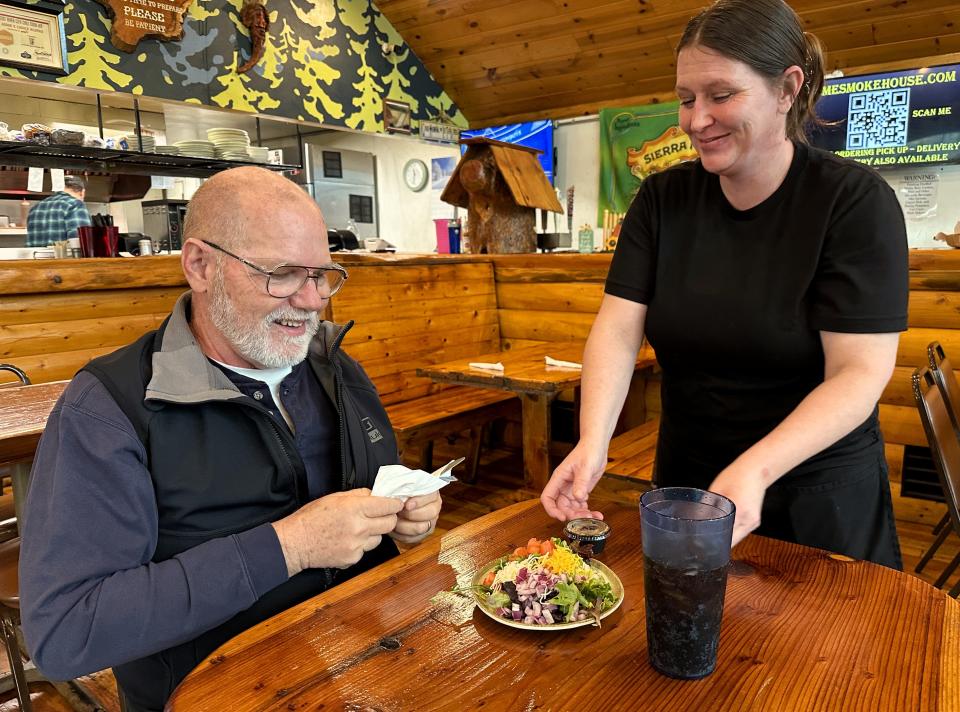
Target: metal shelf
{"points": [[106, 160]]}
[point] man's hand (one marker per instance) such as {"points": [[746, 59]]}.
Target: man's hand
{"points": [[417, 519], [565, 496], [335, 531], [747, 491]]}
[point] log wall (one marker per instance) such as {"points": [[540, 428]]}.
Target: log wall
{"points": [[55, 315], [410, 312]]}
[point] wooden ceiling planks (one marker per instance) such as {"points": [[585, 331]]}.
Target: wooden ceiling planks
{"points": [[505, 61]]}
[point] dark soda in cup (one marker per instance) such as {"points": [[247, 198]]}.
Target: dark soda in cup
{"points": [[686, 543]]}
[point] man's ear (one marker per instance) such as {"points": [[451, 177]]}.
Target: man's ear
{"points": [[198, 265], [792, 81]]}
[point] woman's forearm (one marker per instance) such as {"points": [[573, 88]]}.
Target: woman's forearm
{"points": [[609, 358], [857, 367]]}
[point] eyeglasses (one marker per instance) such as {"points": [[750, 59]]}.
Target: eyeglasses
{"points": [[286, 280]]}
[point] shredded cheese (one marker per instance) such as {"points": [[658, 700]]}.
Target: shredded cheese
{"points": [[564, 561]]}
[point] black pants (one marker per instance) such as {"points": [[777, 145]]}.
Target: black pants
{"points": [[846, 509]]}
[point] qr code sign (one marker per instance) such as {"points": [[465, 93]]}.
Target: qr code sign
{"points": [[878, 119]]}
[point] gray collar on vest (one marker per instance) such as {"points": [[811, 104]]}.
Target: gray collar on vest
{"points": [[182, 373]]}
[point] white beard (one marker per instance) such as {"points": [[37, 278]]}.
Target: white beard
{"points": [[258, 340]]}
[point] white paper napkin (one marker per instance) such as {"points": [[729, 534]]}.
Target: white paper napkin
{"points": [[487, 366], [402, 482], [564, 364]]}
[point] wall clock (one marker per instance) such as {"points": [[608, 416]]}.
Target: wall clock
{"points": [[415, 174]]}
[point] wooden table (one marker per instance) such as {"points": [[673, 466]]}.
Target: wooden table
{"points": [[23, 416], [536, 384], [802, 630]]}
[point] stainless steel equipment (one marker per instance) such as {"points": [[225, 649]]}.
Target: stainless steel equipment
{"points": [[344, 185], [163, 222]]}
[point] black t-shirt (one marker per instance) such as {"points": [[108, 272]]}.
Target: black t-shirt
{"points": [[737, 298]]}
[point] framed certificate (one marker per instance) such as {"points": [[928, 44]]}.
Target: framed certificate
{"points": [[31, 35], [396, 116]]}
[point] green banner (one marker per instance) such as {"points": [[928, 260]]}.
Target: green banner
{"points": [[636, 141]]}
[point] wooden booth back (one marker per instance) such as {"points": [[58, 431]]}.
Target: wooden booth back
{"points": [[410, 312], [55, 315], [555, 298]]}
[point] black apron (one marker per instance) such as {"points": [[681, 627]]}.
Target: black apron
{"points": [[845, 509]]}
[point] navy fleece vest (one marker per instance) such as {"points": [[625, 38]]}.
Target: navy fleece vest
{"points": [[223, 467]]}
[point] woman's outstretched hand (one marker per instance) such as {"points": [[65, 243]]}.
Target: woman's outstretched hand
{"points": [[565, 496]]}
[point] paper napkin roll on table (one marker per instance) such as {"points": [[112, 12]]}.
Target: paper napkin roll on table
{"points": [[487, 366], [402, 482], [564, 364]]}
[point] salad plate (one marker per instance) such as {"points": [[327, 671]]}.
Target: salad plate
{"points": [[527, 567]]}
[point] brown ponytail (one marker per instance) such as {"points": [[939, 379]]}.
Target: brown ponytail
{"points": [[802, 114], [768, 36]]}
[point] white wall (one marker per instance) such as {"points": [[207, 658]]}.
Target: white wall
{"points": [[405, 216], [578, 165]]}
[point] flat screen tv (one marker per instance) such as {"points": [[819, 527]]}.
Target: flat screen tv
{"points": [[893, 120], [533, 134]]}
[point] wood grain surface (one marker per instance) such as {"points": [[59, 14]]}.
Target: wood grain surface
{"points": [[802, 630], [507, 62], [526, 374], [23, 416], [524, 369]]}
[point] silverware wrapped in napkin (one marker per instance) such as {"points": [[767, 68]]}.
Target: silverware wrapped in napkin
{"points": [[486, 366], [564, 364]]}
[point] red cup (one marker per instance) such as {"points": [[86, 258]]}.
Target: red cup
{"points": [[99, 241]]}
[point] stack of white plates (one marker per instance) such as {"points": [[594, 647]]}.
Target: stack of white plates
{"points": [[232, 154], [231, 144], [198, 149], [257, 154], [168, 150], [149, 143]]}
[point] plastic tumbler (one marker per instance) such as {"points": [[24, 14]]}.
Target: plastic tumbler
{"points": [[686, 551], [99, 241]]}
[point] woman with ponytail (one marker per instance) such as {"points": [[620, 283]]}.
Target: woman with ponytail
{"points": [[771, 279]]}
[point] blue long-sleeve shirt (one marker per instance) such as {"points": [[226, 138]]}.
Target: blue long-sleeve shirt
{"points": [[90, 530]]}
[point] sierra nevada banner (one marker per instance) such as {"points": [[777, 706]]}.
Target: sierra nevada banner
{"points": [[636, 141]]}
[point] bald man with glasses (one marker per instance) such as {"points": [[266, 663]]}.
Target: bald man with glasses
{"points": [[216, 471]]}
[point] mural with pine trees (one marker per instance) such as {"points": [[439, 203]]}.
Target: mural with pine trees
{"points": [[323, 62]]}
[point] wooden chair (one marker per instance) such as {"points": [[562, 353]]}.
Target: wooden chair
{"points": [[945, 448], [8, 519], [943, 374], [23, 673], [631, 454]]}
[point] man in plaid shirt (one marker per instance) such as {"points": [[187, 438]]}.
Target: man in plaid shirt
{"points": [[58, 217]]}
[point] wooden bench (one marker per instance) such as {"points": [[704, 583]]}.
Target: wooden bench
{"points": [[412, 312], [632, 453]]}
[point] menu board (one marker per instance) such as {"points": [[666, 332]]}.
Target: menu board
{"points": [[895, 119]]}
